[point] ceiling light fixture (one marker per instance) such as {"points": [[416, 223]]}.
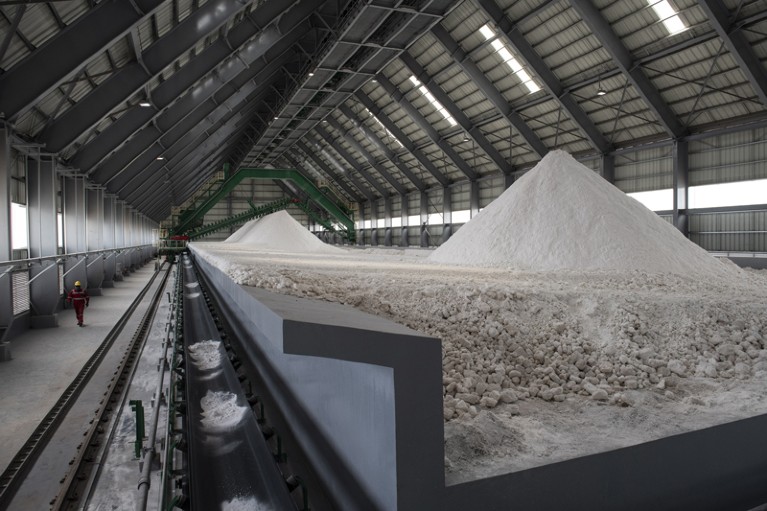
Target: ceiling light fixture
{"points": [[160, 158], [144, 104], [600, 90], [311, 73]]}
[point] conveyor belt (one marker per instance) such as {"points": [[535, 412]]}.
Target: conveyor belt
{"points": [[229, 461]]}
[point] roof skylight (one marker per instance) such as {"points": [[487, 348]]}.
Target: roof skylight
{"points": [[436, 104], [668, 15], [504, 50], [384, 127]]}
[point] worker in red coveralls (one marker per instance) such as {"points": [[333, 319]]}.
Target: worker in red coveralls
{"points": [[79, 298]]}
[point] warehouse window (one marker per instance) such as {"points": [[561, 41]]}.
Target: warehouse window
{"points": [[461, 217], [380, 223], [19, 237], [434, 219], [436, 104], [396, 221], [414, 220], [668, 16], [504, 51], [367, 224], [655, 200], [741, 193]]}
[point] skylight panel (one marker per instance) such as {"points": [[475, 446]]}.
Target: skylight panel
{"points": [[668, 15], [436, 104], [504, 51], [384, 127]]}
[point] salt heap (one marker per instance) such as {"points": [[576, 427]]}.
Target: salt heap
{"points": [[280, 232], [562, 215]]}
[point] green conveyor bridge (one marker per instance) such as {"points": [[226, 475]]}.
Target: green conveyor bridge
{"points": [[189, 220]]}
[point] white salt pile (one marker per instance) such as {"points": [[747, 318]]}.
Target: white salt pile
{"points": [[242, 504], [206, 355], [280, 232], [220, 411], [562, 215]]}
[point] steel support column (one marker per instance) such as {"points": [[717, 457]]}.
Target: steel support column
{"points": [[108, 237], [374, 223], [75, 238], [403, 235], [424, 216], [608, 168], [361, 220], [680, 180], [447, 215], [6, 297], [41, 214], [120, 258], [387, 221], [95, 230]]}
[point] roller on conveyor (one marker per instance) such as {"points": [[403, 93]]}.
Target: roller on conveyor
{"points": [[230, 465]]}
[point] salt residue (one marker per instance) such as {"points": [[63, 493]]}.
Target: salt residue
{"points": [[244, 504], [206, 354], [280, 232], [562, 215], [220, 411]]}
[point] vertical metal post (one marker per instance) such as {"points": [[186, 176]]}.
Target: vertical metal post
{"points": [[680, 180], [6, 298], [608, 168], [361, 230], [120, 259], [474, 198], [424, 219], [387, 221], [447, 214], [108, 238], [94, 205], [73, 195], [41, 214], [403, 235], [374, 223]]}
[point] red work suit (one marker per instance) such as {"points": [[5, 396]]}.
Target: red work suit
{"points": [[79, 298]]}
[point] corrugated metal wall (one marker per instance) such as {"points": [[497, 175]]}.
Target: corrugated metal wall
{"points": [[726, 158], [645, 170]]}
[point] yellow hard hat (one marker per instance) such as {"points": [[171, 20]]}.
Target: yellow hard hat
{"points": [[77, 283]]}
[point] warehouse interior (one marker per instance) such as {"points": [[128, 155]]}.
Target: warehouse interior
{"points": [[383, 254]]}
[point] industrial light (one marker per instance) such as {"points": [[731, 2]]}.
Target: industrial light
{"points": [[436, 104], [600, 90], [275, 118], [160, 158], [311, 73], [145, 104], [504, 51]]}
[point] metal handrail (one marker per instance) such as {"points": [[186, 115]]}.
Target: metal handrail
{"points": [[19, 262]]}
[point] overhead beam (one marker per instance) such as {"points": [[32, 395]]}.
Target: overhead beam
{"points": [[738, 46], [548, 79], [400, 135], [356, 146], [131, 78], [473, 131], [427, 128], [621, 56], [307, 150], [300, 157], [29, 81], [328, 138]]}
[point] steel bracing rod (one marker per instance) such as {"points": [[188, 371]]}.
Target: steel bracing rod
{"points": [[375, 139], [552, 84], [131, 78], [484, 84], [621, 56], [296, 161], [738, 46], [307, 150], [461, 118], [369, 158], [187, 146], [193, 85], [70, 50], [422, 123], [400, 135], [159, 139], [328, 138], [11, 31]]}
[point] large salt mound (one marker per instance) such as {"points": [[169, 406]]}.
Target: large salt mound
{"points": [[280, 232], [562, 215]]}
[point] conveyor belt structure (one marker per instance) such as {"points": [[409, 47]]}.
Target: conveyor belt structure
{"points": [[230, 464]]}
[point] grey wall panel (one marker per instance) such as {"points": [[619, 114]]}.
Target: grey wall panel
{"points": [[644, 170], [726, 158]]}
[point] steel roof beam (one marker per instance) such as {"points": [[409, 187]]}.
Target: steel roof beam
{"points": [[488, 89], [424, 125], [227, 66], [621, 56], [376, 140], [400, 135], [29, 81], [547, 77], [119, 87], [336, 178], [350, 159], [356, 146], [738, 46], [463, 121], [292, 161]]}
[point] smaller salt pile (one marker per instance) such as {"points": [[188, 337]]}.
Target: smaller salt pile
{"points": [[206, 355], [280, 232], [563, 216], [220, 412]]}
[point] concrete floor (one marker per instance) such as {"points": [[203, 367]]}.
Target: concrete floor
{"points": [[44, 362]]}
